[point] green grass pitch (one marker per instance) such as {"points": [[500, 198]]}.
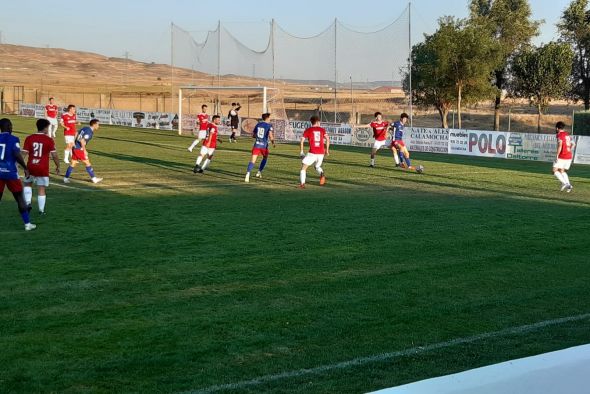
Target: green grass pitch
{"points": [[161, 280]]}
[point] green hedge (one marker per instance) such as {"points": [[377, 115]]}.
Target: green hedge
{"points": [[582, 123]]}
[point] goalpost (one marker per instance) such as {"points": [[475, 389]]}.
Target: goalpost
{"points": [[258, 101]]}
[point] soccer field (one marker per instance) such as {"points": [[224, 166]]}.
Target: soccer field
{"points": [[161, 280]]}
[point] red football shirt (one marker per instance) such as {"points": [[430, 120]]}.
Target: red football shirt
{"points": [[39, 146], [51, 111], [211, 132], [70, 122], [379, 130], [203, 121], [566, 145], [315, 135]]}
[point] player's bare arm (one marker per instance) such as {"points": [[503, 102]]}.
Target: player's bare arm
{"points": [[301, 146], [559, 146], [327, 144], [55, 158], [272, 139]]}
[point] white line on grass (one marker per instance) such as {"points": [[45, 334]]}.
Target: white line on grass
{"points": [[388, 356]]}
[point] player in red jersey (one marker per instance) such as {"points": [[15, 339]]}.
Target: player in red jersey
{"points": [[209, 146], [380, 128], [563, 157], [51, 111], [68, 122], [203, 123], [316, 136], [39, 147]]}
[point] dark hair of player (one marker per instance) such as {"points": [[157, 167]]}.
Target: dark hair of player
{"points": [[215, 117], [5, 125], [265, 116], [378, 113], [71, 106], [560, 125], [93, 122], [42, 124], [233, 104], [314, 119], [203, 106], [404, 115], [51, 98]]}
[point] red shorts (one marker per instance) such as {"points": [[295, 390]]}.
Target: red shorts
{"points": [[398, 144], [260, 152], [14, 185], [79, 154]]}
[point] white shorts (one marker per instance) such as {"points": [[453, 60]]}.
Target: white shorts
{"points": [[52, 121], [202, 134], [207, 151], [562, 164], [38, 180], [379, 144], [312, 158], [70, 139]]}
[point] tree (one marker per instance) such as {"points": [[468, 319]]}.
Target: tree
{"points": [[542, 74], [453, 65], [509, 23], [468, 56], [430, 86], [574, 28]]}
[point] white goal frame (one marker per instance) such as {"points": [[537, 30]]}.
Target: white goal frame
{"points": [[263, 89]]}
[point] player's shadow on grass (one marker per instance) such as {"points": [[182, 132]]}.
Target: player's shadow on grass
{"points": [[152, 144], [150, 161]]}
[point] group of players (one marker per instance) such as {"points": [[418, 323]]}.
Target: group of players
{"points": [[36, 153], [317, 137], [40, 147]]}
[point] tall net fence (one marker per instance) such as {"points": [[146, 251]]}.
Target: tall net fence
{"points": [[334, 60]]}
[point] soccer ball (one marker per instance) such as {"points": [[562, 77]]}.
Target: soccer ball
{"points": [[420, 169]]}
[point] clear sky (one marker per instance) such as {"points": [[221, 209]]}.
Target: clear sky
{"points": [[142, 27]]}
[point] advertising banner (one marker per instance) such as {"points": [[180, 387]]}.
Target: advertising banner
{"points": [[478, 143], [582, 150], [421, 139], [536, 147]]}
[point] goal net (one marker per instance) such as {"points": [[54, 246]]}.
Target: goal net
{"points": [[253, 101]]}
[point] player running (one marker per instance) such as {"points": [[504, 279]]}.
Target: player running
{"points": [[9, 156], [563, 157], [380, 128], [209, 146], [398, 141], [203, 119], [316, 136], [79, 153], [38, 147], [51, 111], [68, 122], [263, 132], [234, 120]]}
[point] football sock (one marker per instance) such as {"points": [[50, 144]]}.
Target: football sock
{"points": [[250, 166], [559, 176], [41, 201], [69, 171], [28, 194], [90, 172], [67, 154], [262, 164], [319, 170], [372, 162], [396, 158], [401, 157], [566, 178], [25, 216], [407, 159], [195, 142], [206, 164], [199, 160], [302, 176]]}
